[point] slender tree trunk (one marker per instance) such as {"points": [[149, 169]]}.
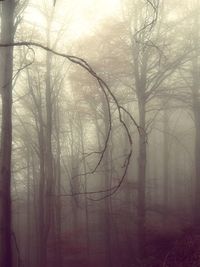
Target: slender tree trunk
{"points": [[41, 203], [7, 36], [141, 206], [166, 164], [58, 178], [75, 183], [86, 200], [140, 64], [107, 213], [196, 112], [46, 175], [28, 213], [35, 225], [155, 193], [107, 184], [48, 151], [196, 109], [107, 201]]}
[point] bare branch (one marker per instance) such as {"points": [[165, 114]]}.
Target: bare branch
{"points": [[107, 92]]}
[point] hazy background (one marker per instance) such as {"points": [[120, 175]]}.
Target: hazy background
{"points": [[106, 174]]}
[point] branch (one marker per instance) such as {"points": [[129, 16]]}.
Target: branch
{"points": [[150, 24], [106, 90]]}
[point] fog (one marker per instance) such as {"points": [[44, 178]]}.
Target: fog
{"points": [[100, 133]]}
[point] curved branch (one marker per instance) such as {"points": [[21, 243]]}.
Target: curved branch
{"points": [[106, 90]]}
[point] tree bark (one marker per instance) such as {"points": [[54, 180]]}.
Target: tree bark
{"points": [[166, 164], [140, 81], [196, 112], [58, 203], [7, 36], [28, 220], [85, 188], [141, 206]]}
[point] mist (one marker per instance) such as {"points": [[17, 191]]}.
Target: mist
{"points": [[100, 133]]}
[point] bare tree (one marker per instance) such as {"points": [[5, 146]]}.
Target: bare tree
{"points": [[7, 36]]}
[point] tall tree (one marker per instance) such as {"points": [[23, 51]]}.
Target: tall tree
{"points": [[196, 109], [7, 36]]}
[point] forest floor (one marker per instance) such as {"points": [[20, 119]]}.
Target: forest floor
{"points": [[181, 250]]}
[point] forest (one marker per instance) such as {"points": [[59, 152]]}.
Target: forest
{"points": [[100, 133]]}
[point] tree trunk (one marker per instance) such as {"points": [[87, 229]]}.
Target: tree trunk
{"points": [[28, 220], [7, 35], [85, 189], [166, 164], [196, 110], [107, 185], [141, 180], [58, 203], [41, 204]]}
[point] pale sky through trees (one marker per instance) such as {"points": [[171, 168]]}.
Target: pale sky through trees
{"points": [[82, 16]]}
